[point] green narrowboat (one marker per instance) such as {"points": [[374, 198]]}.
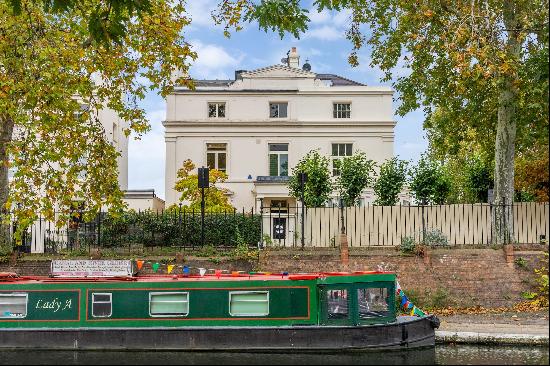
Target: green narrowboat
{"points": [[306, 312]]}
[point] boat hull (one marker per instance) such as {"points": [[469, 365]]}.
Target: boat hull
{"points": [[405, 334]]}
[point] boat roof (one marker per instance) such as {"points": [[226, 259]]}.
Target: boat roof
{"points": [[235, 276]]}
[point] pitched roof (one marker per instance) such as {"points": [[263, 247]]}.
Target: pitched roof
{"points": [[338, 80]]}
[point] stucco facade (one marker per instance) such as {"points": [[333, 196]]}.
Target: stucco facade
{"points": [[237, 117]]}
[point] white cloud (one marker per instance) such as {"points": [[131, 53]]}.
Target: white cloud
{"points": [[342, 18], [200, 12], [324, 33], [213, 62], [316, 17]]}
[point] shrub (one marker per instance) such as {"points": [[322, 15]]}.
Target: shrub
{"points": [[408, 245], [435, 238], [176, 227]]}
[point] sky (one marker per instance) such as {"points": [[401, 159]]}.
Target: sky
{"points": [[324, 45]]}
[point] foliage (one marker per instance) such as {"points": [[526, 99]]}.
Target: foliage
{"points": [[177, 227], [479, 70], [435, 238], [432, 238], [54, 84], [390, 182], [429, 183], [356, 174], [539, 297], [407, 245], [520, 262], [275, 15], [107, 21], [532, 173], [318, 187], [215, 198]]}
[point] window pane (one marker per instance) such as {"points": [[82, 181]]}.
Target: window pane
{"points": [[373, 302], [101, 310], [252, 303], [283, 161], [337, 304], [222, 162], [169, 304], [341, 150], [283, 110], [349, 149], [273, 165], [211, 160], [101, 298], [211, 110], [13, 306], [216, 147], [273, 110], [334, 149], [169, 308], [221, 110], [278, 147]]}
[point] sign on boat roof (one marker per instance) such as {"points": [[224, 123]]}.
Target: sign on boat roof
{"points": [[91, 268]]}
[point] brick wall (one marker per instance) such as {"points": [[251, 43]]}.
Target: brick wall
{"points": [[450, 277], [454, 277]]}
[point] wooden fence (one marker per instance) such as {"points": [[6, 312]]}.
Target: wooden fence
{"points": [[461, 224]]}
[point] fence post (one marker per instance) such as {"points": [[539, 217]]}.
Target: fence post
{"points": [[99, 229]]}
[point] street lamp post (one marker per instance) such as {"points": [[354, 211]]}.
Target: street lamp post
{"points": [[302, 177], [203, 182]]}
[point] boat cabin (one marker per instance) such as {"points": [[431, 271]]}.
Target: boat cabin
{"points": [[256, 299]]}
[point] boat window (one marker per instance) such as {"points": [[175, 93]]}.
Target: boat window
{"points": [[373, 303], [168, 304], [249, 303], [102, 305], [337, 304], [13, 306]]}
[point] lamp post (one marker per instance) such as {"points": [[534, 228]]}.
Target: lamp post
{"points": [[203, 183], [302, 177]]}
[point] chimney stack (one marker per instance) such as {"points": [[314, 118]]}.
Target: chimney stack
{"points": [[293, 58]]}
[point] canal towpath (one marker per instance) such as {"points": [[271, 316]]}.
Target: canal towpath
{"points": [[519, 328]]}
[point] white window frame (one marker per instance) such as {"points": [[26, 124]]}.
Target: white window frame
{"points": [[278, 110], [102, 302], [340, 112], [231, 293], [186, 293], [216, 152], [339, 157], [278, 153], [16, 294], [217, 109]]}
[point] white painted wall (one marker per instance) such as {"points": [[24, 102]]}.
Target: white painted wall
{"points": [[247, 129]]}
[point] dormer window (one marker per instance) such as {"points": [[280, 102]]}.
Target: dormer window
{"points": [[278, 110], [216, 110], [341, 110]]}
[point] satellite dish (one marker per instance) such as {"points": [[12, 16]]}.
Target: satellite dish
{"points": [[306, 67], [284, 60]]}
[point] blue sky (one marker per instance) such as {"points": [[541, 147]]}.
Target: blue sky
{"points": [[324, 45]]}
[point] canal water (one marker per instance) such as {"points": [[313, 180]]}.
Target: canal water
{"points": [[441, 355]]}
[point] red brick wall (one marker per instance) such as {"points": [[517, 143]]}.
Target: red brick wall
{"points": [[456, 277]]}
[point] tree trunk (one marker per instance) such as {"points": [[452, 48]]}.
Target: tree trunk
{"points": [[506, 135], [6, 134]]}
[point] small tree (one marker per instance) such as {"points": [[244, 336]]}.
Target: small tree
{"points": [[429, 183], [318, 187], [356, 174], [392, 178], [187, 183]]}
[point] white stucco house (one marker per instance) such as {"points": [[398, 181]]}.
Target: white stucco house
{"points": [[257, 126]]}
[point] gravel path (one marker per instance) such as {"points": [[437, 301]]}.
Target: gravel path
{"points": [[511, 323]]}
